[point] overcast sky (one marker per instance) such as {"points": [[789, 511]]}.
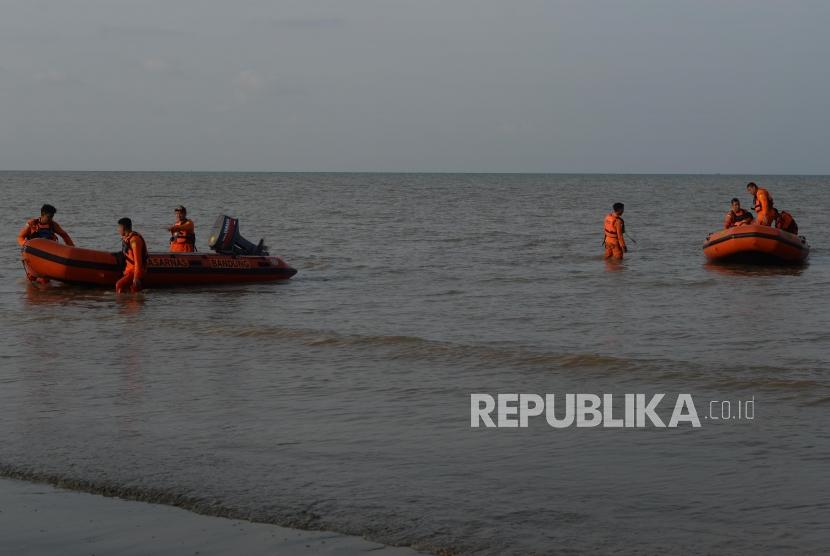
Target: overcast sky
{"points": [[418, 85]]}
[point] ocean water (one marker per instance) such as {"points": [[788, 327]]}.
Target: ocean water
{"points": [[341, 398]]}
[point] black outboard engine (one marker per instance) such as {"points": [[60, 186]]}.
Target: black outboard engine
{"points": [[225, 239]]}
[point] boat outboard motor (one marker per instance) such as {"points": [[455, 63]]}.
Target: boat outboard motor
{"points": [[225, 239]]}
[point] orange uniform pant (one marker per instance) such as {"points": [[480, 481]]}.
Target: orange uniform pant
{"points": [[765, 218], [182, 247], [126, 282], [613, 250]]}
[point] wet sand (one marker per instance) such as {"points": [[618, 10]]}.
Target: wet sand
{"points": [[41, 520]]}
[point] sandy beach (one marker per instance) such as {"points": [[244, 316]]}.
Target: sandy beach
{"points": [[43, 520]]}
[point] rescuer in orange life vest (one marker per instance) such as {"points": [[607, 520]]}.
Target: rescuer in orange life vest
{"points": [[614, 229], [135, 255], [737, 216], [763, 204], [44, 227], [183, 239], [785, 221]]}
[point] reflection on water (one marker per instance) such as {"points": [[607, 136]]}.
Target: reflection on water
{"points": [[60, 295], [55, 293], [614, 265], [130, 304], [738, 269]]}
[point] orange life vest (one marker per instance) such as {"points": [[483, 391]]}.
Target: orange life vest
{"points": [[758, 205], [127, 249], [611, 227], [184, 237], [41, 230], [745, 216]]}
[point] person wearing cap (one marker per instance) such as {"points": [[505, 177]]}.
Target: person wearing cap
{"points": [[44, 227], [183, 238]]}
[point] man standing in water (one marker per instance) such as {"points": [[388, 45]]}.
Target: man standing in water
{"points": [[135, 254], [614, 230], [44, 227], [762, 202], [183, 239]]}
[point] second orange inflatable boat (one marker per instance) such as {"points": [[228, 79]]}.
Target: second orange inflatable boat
{"points": [[48, 259], [755, 243]]}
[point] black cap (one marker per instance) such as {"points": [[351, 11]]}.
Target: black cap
{"points": [[180, 208]]}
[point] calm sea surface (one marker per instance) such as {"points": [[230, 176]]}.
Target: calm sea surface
{"points": [[340, 399]]}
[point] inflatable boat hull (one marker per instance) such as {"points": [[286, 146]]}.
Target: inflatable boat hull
{"points": [[756, 244], [53, 261]]}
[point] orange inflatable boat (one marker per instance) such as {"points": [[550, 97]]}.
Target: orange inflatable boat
{"points": [[236, 260], [755, 243], [43, 258]]}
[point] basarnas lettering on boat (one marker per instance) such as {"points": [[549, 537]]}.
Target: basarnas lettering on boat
{"points": [[581, 410]]}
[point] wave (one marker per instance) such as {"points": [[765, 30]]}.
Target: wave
{"points": [[416, 347], [503, 358], [299, 519], [820, 401]]}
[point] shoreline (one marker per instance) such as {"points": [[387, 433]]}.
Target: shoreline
{"points": [[41, 518]]}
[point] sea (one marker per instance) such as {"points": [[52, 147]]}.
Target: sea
{"points": [[341, 399]]}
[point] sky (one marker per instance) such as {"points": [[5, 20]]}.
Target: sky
{"points": [[681, 86]]}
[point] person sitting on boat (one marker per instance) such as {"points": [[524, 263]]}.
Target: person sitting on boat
{"points": [[614, 228], [183, 239], [44, 227], [737, 216], [763, 204], [134, 250], [785, 221]]}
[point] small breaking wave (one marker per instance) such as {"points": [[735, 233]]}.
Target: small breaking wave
{"points": [[304, 519], [505, 358]]}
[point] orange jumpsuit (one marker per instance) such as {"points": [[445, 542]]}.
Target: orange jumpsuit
{"points": [[135, 253], [35, 228], [184, 237], [614, 228], [737, 219], [763, 207]]}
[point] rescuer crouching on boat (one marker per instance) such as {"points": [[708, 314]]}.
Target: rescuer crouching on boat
{"points": [[183, 238], [44, 227], [134, 250], [785, 221]]}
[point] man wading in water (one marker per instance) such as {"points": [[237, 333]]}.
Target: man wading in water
{"points": [[614, 229]]}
